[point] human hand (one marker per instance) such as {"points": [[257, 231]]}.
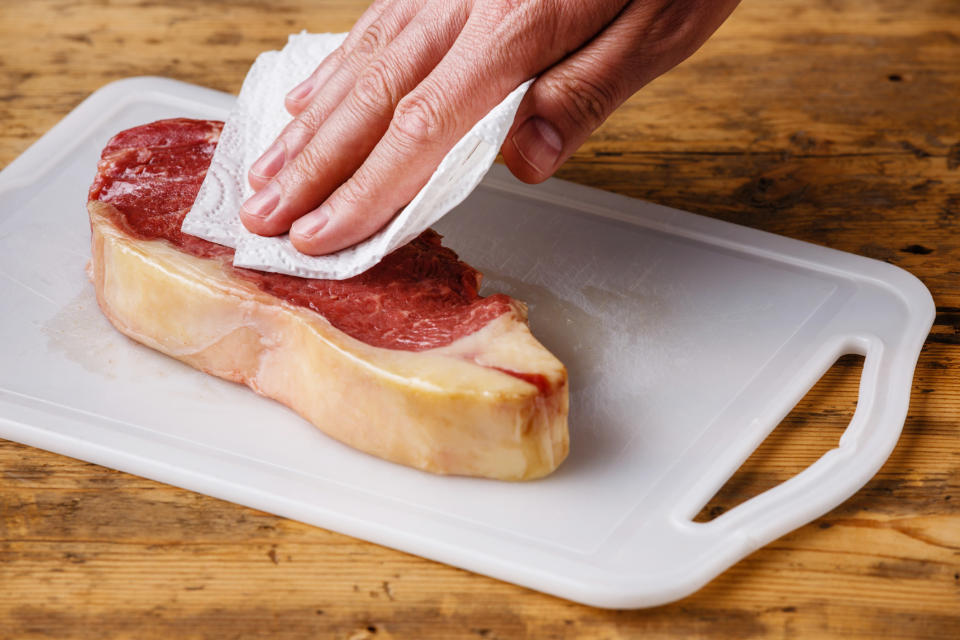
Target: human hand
{"points": [[376, 117]]}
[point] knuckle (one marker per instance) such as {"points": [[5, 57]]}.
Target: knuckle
{"points": [[584, 101], [507, 21], [353, 193], [303, 127], [371, 40], [304, 169], [338, 55], [355, 199], [418, 119], [500, 11], [375, 88]]}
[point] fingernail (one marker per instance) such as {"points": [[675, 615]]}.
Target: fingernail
{"points": [[263, 202], [270, 163], [539, 143], [302, 90], [310, 224]]}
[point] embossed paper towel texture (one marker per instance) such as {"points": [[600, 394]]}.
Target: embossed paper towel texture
{"points": [[256, 120]]}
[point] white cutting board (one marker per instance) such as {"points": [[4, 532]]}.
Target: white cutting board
{"points": [[687, 340]]}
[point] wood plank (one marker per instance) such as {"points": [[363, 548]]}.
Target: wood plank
{"points": [[831, 121]]}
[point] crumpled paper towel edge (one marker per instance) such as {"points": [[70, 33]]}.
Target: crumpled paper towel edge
{"points": [[266, 254], [200, 220]]}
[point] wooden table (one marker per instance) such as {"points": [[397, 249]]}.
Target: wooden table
{"points": [[831, 121]]}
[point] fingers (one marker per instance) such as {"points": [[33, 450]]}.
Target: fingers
{"points": [[300, 96], [574, 97], [425, 125], [561, 109], [485, 63], [383, 113], [331, 82], [423, 129], [352, 130]]}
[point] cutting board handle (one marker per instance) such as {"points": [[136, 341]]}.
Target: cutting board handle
{"points": [[705, 549], [869, 439]]}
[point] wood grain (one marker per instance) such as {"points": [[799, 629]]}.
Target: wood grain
{"points": [[831, 121]]}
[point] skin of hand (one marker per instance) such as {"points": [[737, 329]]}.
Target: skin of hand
{"points": [[375, 118]]}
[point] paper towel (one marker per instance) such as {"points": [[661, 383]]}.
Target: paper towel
{"points": [[258, 118]]}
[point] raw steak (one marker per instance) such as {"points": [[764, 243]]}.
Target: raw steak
{"points": [[405, 361]]}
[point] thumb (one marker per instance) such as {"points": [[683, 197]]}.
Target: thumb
{"points": [[572, 98], [560, 111]]}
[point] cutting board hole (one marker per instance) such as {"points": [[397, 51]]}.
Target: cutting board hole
{"points": [[809, 431]]}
